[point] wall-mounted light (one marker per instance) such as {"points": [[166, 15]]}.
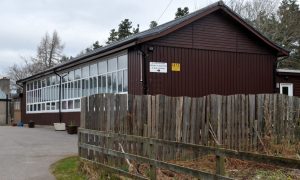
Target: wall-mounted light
{"points": [[151, 49], [286, 77]]}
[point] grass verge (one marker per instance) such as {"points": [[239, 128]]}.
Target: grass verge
{"points": [[67, 169]]}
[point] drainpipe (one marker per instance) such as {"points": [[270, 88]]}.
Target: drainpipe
{"points": [[6, 109], [144, 69]]}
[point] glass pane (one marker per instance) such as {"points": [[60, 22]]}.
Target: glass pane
{"points": [[35, 85], [120, 81], [57, 105], [122, 62], [83, 87], [48, 106], [87, 87], [77, 104], [70, 104], [57, 79], [112, 64], [69, 91], [43, 107], [95, 85], [39, 84], [53, 80], [48, 81], [43, 83], [53, 106], [103, 83], [109, 83], [85, 71], [77, 73], [114, 83], [93, 70], [125, 81], [99, 85], [75, 89], [285, 90], [102, 67], [71, 76], [91, 86], [79, 88], [65, 78], [64, 105], [39, 107]]}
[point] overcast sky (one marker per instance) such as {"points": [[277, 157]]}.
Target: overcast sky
{"points": [[79, 23]]}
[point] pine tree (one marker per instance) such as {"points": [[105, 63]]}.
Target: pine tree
{"points": [[124, 29], [113, 36], [181, 12], [289, 31], [136, 30], [96, 45], [153, 24]]}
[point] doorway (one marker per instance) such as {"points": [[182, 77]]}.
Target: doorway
{"points": [[286, 88]]}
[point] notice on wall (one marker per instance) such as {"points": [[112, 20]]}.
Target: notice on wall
{"points": [[158, 67], [176, 67]]}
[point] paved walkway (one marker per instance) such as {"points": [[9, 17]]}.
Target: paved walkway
{"points": [[26, 154]]}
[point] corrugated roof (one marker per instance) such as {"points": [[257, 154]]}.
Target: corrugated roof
{"points": [[156, 31]]}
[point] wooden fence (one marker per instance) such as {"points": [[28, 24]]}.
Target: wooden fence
{"points": [[109, 150], [239, 122]]}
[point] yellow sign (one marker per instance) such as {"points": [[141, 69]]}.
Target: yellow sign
{"points": [[176, 67]]}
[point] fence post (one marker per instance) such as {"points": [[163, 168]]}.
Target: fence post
{"points": [[220, 163], [152, 166]]}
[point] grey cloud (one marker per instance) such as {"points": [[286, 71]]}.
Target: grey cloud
{"points": [[78, 22]]}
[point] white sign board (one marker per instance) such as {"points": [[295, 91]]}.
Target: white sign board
{"points": [[158, 67]]}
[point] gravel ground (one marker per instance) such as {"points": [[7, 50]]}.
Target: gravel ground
{"points": [[28, 153]]}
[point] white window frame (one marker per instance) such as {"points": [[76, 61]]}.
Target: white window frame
{"points": [[290, 87], [49, 93]]}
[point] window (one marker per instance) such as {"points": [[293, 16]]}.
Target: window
{"points": [[112, 65], [93, 69], [71, 76], [77, 104], [85, 72], [102, 67], [101, 76], [122, 62], [286, 88], [77, 73]]}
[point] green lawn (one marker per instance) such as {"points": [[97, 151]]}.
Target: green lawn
{"points": [[67, 169]]}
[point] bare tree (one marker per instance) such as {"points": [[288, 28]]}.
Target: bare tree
{"points": [[49, 52], [252, 9]]}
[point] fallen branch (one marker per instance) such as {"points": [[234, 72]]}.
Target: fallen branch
{"points": [[131, 167]]}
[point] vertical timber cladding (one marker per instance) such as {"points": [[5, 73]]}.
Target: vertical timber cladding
{"points": [[216, 56], [135, 85], [204, 72]]}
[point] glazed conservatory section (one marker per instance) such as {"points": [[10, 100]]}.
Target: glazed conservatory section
{"points": [[109, 75]]}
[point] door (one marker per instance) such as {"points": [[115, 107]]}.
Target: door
{"points": [[286, 88]]}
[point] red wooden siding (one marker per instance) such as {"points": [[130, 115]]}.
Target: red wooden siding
{"points": [[206, 72], [214, 32], [289, 78], [134, 72]]}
